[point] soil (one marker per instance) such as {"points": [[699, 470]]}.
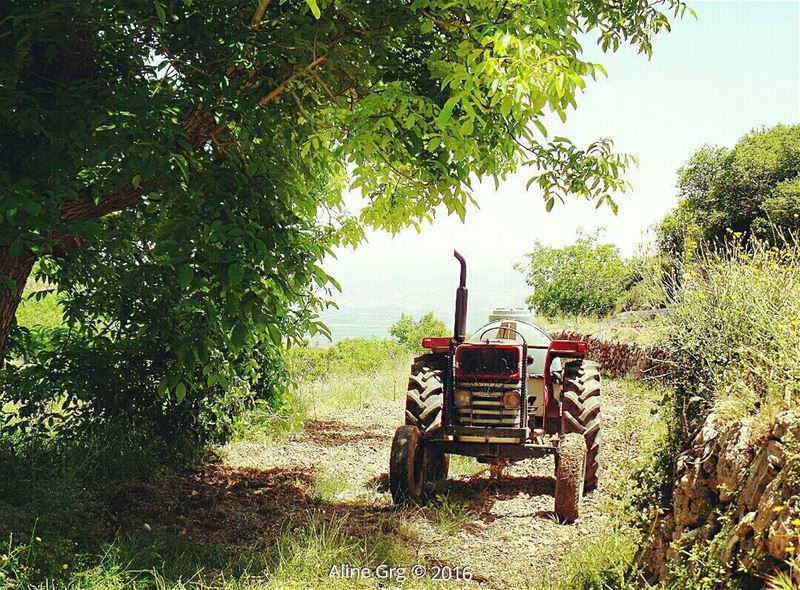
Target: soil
{"points": [[505, 530]]}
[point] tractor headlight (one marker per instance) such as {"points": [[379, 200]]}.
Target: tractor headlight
{"points": [[511, 400], [463, 398]]}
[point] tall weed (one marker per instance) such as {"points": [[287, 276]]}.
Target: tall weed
{"points": [[733, 332]]}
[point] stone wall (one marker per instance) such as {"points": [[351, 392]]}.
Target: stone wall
{"points": [[737, 498], [620, 359]]}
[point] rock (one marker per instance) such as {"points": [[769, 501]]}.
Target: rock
{"points": [[691, 498], [734, 456], [765, 468], [742, 501], [692, 495]]}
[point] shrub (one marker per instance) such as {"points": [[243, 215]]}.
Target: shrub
{"points": [[410, 332], [583, 278], [733, 331], [73, 386], [352, 355]]}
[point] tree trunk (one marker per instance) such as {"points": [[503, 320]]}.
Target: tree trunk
{"points": [[18, 269]]}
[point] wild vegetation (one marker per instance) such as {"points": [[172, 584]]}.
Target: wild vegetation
{"points": [[589, 278], [410, 333], [172, 173]]}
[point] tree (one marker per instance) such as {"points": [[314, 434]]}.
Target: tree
{"points": [[582, 278], [752, 189], [178, 165], [410, 332]]}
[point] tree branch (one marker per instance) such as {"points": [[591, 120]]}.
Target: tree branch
{"points": [[280, 88], [259, 13], [199, 127]]}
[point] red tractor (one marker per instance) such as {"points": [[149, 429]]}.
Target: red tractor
{"points": [[506, 394]]}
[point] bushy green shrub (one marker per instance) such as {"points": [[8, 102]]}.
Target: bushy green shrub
{"points": [[644, 288], [410, 332], [71, 386], [733, 331], [582, 278]]}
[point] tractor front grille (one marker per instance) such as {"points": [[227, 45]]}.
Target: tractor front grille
{"points": [[486, 406]]}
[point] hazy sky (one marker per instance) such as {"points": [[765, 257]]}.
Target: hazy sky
{"points": [[709, 81]]}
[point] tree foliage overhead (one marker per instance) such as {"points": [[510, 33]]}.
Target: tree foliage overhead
{"points": [[178, 165], [752, 189]]}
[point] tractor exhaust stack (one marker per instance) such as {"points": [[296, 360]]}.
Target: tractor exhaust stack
{"points": [[460, 326]]}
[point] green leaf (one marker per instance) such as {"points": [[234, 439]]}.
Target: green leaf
{"points": [[180, 392], [162, 15], [185, 276], [312, 4], [548, 206], [235, 274], [202, 352], [239, 334], [447, 111], [136, 181], [274, 334]]}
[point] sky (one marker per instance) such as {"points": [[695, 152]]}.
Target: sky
{"points": [[709, 81]]}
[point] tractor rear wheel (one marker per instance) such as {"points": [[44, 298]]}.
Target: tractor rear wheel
{"points": [[580, 412], [425, 394], [570, 466], [407, 466]]}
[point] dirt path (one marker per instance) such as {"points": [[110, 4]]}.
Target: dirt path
{"points": [[502, 528]]}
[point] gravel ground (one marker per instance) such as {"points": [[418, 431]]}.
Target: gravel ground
{"points": [[504, 528]]}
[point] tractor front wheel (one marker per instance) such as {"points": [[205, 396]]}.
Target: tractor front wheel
{"points": [[570, 469], [407, 466]]}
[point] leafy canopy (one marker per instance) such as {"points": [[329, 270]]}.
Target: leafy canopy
{"points": [[752, 189], [179, 165], [582, 278]]}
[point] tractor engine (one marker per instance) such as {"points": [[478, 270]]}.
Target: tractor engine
{"points": [[489, 386]]}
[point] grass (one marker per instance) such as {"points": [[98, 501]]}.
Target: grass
{"points": [[351, 374], [328, 488], [302, 557], [462, 465], [446, 513], [604, 563], [344, 390]]}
